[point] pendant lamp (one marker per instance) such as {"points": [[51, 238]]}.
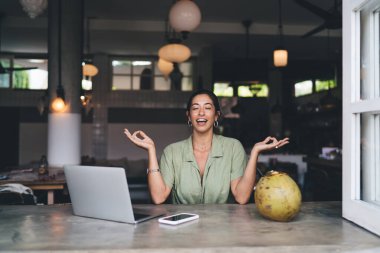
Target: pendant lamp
{"points": [[58, 104], [280, 57], [174, 51], [89, 69], [185, 16], [280, 54], [165, 67], [34, 7]]}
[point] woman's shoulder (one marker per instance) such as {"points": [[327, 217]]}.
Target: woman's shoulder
{"points": [[227, 140], [177, 145], [228, 143]]}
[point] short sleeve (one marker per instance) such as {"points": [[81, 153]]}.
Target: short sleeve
{"points": [[166, 167], [239, 161]]}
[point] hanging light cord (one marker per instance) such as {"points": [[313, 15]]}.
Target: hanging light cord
{"points": [[280, 21], [60, 91]]}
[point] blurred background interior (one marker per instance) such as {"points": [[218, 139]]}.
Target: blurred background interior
{"points": [[231, 53]]}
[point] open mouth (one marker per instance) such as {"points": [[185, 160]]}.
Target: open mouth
{"points": [[201, 121]]}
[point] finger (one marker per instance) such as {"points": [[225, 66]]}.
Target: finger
{"points": [[126, 131], [274, 140], [142, 134], [267, 139], [135, 136], [285, 140], [282, 144]]}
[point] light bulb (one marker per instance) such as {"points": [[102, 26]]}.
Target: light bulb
{"points": [[58, 105]]}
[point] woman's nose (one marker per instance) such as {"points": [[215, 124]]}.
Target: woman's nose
{"points": [[201, 111]]}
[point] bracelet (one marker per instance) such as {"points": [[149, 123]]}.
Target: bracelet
{"points": [[152, 170]]}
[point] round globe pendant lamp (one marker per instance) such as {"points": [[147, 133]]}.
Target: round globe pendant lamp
{"points": [[174, 52], [165, 67], [185, 16], [58, 105]]}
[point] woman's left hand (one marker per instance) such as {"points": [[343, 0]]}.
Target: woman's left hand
{"points": [[269, 143]]}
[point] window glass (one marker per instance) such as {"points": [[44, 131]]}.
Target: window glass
{"points": [[161, 83], [145, 75], [370, 158], [377, 55], [121, 83], [33, 79], [4, 77], [121, 67], [223, 90], [303, 88], [321, 85], [136, 82], [186, 68], [187, 84], [254, 90], [366, 91], [138, 69]]}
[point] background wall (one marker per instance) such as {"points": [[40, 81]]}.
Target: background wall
{"points": [[33, 140], [162, 134]]}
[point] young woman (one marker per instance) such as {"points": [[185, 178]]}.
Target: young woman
{"points": [[206, 167]]}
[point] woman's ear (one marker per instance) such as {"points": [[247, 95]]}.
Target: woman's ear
{"points": [[217, 115]]}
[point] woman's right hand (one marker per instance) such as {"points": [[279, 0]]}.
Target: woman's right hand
{"points": [[140, 139]]}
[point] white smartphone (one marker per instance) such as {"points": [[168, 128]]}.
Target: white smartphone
{"points": [[178, 218]]}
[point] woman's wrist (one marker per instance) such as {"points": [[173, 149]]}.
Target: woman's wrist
{"points": [[255, 152], [152, 150]]}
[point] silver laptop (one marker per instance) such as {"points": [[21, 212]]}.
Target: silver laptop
{"points": [[102, 193]]}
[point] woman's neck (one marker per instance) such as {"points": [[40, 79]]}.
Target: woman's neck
{"points": [[202, 141]]}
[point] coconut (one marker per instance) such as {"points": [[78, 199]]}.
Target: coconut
{"points": [[277, 196]]}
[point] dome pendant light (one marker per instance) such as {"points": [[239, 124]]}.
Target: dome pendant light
{"points": [[165, 67], [89, 69], [280, 54], [174, 52], [185, 16]]}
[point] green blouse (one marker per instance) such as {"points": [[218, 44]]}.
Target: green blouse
{"points": [[226, 162]]}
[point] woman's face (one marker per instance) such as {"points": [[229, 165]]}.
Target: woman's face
{"points": [[202, 113]]}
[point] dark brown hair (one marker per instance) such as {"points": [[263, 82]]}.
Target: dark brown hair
{"points": [[209, 93]]}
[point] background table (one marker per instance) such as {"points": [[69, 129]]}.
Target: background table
{"points": [[220, 228], [54, 181]]}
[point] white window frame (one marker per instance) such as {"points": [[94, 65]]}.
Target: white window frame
{"points": [[363, 213]]}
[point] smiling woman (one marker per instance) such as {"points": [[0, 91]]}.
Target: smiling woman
{"points": [[206, 167]]}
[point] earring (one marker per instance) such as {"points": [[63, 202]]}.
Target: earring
{"points": [[216, 123], [189, 123]]}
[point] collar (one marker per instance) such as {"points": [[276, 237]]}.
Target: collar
{"points": [[216, 148]]}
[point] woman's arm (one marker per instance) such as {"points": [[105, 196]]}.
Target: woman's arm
{"points": [[158, 190], [242, 187]]}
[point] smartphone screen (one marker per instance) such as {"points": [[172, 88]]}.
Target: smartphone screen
{"points": [[178, 217]]}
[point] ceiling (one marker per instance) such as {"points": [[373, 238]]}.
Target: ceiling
{"points": [[125, 27]]}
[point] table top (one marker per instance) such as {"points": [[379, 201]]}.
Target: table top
{"points": [[30, 177], [220, 228]]}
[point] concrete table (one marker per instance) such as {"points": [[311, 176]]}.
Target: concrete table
{"points": [[221, 228]]}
